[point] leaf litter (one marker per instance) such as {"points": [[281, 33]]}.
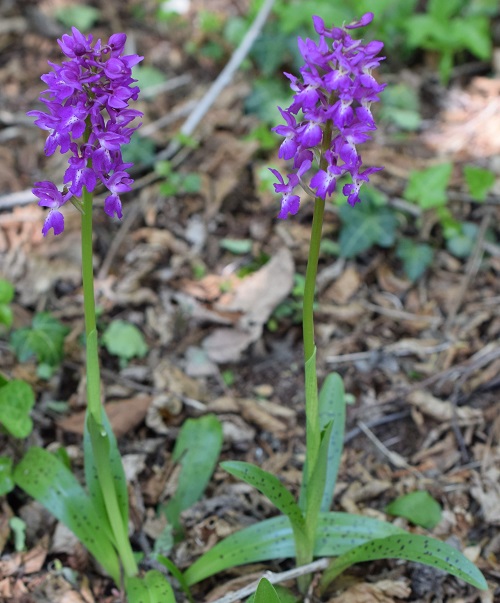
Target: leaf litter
{"points": [[388, 337]]}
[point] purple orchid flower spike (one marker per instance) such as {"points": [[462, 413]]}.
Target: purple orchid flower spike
{"points": [[88, 114], [330, 114]]}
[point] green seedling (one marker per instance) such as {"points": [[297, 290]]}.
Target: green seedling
{"points": [[418, 507], [124, 340]]}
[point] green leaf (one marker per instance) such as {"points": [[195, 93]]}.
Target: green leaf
{"points": [[265, 593], [462, 243], [80, 16], [16, 401], [99, 441], [6, 481], [140, 150], [479, 181], [152, 588], [428, 187], [124, 340], [285, 596], [236, 246], [46, 479], [271, 487], [365, 225], [444, 10], [272, 538], [18, 527], [416, 257], [6, 315], [176, 573], [44, 340], [401, 106], [332, 409], [6, 291], [418, 507], [474, 35], [197, 449], [411, 547], [148, 76]]}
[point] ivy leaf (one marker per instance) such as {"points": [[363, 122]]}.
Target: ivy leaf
{"points": [[365, 225], [44, 340], [479, 181], [418, 507], [416, 257], [124, 340], [427, 187], [16, 401], [80, 16], [462, 242]]}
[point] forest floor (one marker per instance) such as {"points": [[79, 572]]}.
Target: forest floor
{"points": [[421, 359]]}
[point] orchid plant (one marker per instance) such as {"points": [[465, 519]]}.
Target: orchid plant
{"points": [[88, 115], [330, 114]]}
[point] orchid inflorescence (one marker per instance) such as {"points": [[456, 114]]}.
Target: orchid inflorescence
{"points": [[88, 114], [334, 96]]}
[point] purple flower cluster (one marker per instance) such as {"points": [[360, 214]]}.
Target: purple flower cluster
{"points": [[333, 97], [87, 102]]}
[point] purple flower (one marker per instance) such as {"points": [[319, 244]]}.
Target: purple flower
{"points": [[50, 196], [330, 114], [87, 113]]}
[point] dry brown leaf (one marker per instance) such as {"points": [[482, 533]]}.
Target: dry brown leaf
{"points": [[345, 286], [384, 591], [487, 493], [257, 295], [255, 413], [227, 345], [28, 562], [124, 416], [444, 411]]}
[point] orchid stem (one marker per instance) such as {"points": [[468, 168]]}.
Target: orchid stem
{"points": [[95, 410]]}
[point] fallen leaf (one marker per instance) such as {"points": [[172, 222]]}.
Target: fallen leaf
{"points": [[124, 416]]}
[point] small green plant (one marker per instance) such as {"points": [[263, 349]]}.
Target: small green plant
{"points": [[428, 188], [43, 341], [197, 450], [124, 340], [16, 401], [368, 223], [447, 28], [419, 507], [6, 297], [479, 181], [416, 257], [6, 481], [177, 183], [306, 527], [80, 16]]}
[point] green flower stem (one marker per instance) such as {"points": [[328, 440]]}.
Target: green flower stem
{"points": [[97, 432], [93, 373], [313, 431]]}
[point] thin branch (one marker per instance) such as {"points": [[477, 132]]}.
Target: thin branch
{"points": [[275, 578], [221, 82]]}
